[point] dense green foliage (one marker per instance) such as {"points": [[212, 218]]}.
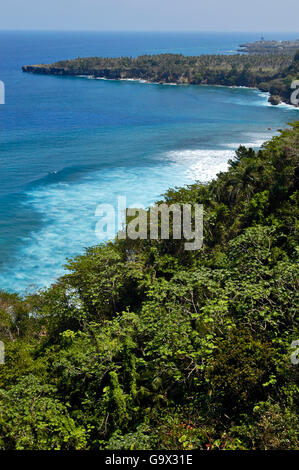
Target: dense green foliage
{"points": [[144, 345], [272, 73]]}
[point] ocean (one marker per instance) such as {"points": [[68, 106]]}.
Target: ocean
{"points": [[68, 144]]}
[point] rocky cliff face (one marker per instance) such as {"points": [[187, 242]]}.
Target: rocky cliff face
{"points": [[44, 69], [109, 73]]}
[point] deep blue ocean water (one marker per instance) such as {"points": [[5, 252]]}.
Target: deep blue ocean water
{"points": [[69, 144]]}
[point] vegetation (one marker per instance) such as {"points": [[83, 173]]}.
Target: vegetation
{"points": [[270, 47], [272, 73], [144, 345]]}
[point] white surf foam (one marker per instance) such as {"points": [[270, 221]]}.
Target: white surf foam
{"points": [[256, 144], [68, 217], [281, 105], [288, 106], [255, 140], [201, 165]]}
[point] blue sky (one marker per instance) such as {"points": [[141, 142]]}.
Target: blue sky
{"points": [[139, 15]]}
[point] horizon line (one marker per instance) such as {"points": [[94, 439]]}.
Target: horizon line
{"points": [[146, 31]]}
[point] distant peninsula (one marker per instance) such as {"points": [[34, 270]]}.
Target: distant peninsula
{"points": [[271, 73], [270, 47]]}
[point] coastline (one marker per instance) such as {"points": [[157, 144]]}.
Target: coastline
{"points": [[185, 165], [273, 74], [148, 240], [199, 161], [141, 81]]}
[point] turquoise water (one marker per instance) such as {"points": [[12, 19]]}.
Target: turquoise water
{"points": [[68, 144]]}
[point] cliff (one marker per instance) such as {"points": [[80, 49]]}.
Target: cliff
{"points": [[272, 73]]}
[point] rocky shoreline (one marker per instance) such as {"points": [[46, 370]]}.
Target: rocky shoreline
{"points": [[271, 74]]}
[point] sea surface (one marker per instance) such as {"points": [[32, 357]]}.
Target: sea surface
{"points": [[69, 144]]}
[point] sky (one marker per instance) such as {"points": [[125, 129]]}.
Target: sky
{"points": [[151, 15]]}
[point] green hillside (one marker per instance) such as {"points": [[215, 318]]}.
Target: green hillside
{"points": [[144, 345]]}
